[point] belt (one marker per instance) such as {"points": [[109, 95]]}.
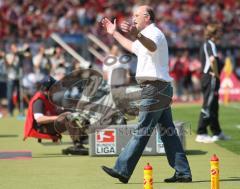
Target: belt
{"points": [[154, 82]]}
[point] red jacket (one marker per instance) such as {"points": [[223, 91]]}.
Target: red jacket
{"points": [[29, 130]]}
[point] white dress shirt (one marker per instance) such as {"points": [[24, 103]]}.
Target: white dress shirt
{"points": [[152, 65]]}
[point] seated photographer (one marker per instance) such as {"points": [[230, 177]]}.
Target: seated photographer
{"points": [[43, 122]]}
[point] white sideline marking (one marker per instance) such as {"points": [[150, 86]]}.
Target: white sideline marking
{"points": [[234, 106], [237, 126]]}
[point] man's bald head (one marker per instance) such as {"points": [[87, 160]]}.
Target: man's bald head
{"points": [[149, 11], [143, 16]]}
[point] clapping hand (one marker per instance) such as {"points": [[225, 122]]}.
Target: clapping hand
{"points": [[109, 26], [128, 28]]}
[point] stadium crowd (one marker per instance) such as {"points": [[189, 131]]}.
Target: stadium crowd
{"points": [[31, 22], [182, 20]]}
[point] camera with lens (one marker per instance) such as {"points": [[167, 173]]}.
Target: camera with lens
{"points": [[50, 52], [24, 50]]}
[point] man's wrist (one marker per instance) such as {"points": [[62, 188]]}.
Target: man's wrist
{"points": [[139, 35], [114, 33], [54, 118]]}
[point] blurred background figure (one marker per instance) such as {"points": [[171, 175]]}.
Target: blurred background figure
{"points": [[57, 59], [212, 66], [177, 71], [237, 64], [187, 75], [195, 69], [12, 66], [41, 62]]}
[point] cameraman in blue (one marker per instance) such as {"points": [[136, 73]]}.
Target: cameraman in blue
{"points": [[152, 74]]}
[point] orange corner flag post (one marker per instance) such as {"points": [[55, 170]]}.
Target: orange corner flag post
{"points": [[214, 172], [148, 177]]}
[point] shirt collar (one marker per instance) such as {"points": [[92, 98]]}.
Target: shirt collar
{"points": [[148, 27]]}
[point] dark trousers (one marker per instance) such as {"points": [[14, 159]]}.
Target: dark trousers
{"points": [[11, 86], [209, 111], [62, 126], [150, 117]]}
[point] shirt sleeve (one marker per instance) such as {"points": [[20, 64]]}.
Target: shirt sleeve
{"points": [[209, 50], [135, 46], [36, 60], [154, 37], [38, 107]]}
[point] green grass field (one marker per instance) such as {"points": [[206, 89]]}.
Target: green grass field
{"points": [[49, 169]]}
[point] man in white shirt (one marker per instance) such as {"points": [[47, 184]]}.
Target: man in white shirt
{"points": [[152, 74]]}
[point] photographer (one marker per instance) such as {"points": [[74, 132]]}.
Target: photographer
{"points": [[41, 62], [56, 57], [26, 74], [25, 56], [12, 62], [44, 120], [2, 78]]}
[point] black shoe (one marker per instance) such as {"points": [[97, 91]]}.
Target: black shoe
{"points": [[84, 139], [75, 150], [179, 179], [114, 174]]}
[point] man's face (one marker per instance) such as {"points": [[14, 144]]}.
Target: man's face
{"points": [[13, 48], [140, 18], [218, 36], [41, 49]]}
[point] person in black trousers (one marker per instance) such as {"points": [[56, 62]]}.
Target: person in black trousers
{"points": [[212, 67]]}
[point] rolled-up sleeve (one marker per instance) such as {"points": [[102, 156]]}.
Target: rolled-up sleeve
{"points": [[154, 37]]}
